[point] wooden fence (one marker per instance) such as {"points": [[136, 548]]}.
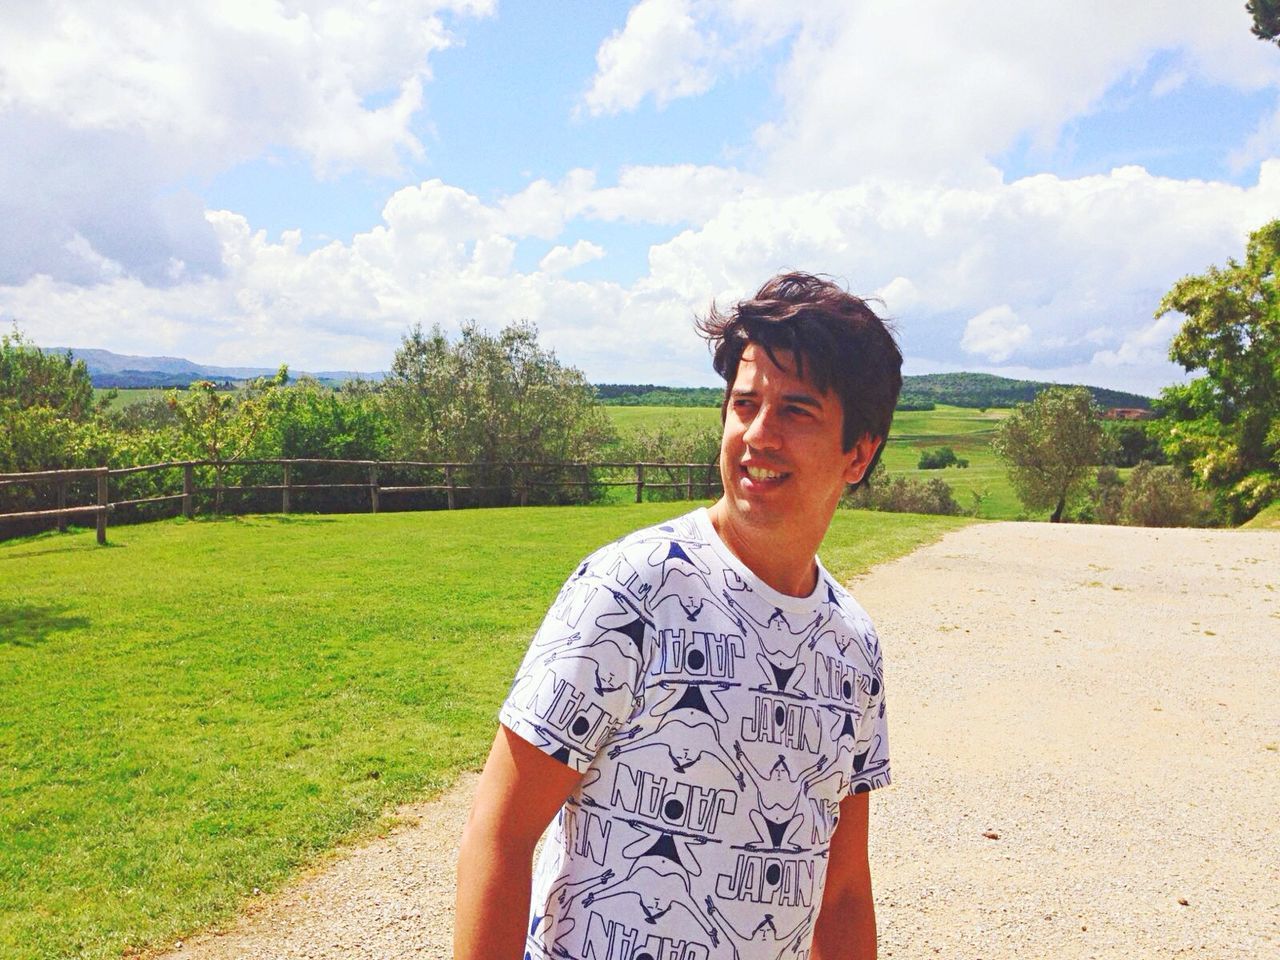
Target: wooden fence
{"points": [[695, 478]]}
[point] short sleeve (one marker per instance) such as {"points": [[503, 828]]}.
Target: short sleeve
{"points": [[871, 751], [581, 678]]}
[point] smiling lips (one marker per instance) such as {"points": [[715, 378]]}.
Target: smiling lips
{"points": [[762, 473]]}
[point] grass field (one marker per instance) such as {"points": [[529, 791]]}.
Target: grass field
{"points": [[630, 419], [201, 707], [967, 431], [1267, 519], [127, 397]]}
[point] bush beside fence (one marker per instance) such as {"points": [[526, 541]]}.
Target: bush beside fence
{"points": [[50, 498]]}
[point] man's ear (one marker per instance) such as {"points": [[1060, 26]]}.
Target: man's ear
{"points": [[859, 458]]}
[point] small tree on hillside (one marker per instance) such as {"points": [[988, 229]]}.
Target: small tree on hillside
{"points": [[1051, 446]]}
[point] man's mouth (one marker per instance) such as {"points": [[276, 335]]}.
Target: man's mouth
{"points": [[763, 474]]}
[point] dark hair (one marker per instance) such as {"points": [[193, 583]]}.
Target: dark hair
{"points": [[837, 340]]}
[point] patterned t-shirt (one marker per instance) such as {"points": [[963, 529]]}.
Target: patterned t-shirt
{"points": [[718, 723]]}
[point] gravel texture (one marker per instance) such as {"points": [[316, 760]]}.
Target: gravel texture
{"points": [[1085, 724]]}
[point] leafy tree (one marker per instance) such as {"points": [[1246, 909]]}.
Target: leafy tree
{"points": [[46, 409], [29, 378], [494, 399], [221, 425], [1051, 445], [1132, 442], [310, 420], [1266, 18], [940, 459], [1224, 426]]}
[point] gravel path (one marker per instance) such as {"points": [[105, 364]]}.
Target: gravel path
{"points": [[1086, 756]]}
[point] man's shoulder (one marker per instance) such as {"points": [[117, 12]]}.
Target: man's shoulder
{"points": [[648, 549]]}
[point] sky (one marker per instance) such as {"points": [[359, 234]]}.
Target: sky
{"points": [[301, 181]]}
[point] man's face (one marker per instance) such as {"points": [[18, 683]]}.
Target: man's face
{"points": [[780, 456]]}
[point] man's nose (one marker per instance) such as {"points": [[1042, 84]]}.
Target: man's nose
{"points": [[763, 431]]}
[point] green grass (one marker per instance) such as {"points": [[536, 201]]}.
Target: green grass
{"points": [[1267, 519], [201, 707], [128, 396], [967, 431], [629, 420]]}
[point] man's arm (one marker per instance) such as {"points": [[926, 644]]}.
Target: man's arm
{"points": [[846, 927], [519, 792]]}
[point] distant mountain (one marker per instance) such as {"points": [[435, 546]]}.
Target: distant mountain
{"points": [[918, 392], [108, 369]]}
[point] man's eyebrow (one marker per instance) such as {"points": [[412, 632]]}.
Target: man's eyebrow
{"points": [[807, 399]]}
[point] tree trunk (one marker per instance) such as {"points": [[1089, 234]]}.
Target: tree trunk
{"points": [[1057, 511]]}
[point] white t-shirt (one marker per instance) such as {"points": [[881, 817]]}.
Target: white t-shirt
{"points": [[718, 723]]}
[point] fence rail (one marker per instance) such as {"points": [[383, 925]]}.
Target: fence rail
{"points": [[695, 478]]}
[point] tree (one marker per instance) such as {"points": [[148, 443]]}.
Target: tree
{"points": [[29, 377], [1266, 18], [493, 399], [222, 426], [46, 408], [1051, 445], [1224, 426]]}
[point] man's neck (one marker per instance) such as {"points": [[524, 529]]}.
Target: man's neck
{"points": [[785, 562]]}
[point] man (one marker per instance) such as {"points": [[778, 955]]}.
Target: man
{"points": [[708, 761]]}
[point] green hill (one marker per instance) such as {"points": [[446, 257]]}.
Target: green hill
{"points": [[988, 390], [973, 390]]}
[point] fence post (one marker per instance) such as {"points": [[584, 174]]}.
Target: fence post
{"points": [[284, 496], [373, 486], [188, 489], [688, 490], [102, 507], [586, 484], [639, 483], [448, 478], [62, 505]]}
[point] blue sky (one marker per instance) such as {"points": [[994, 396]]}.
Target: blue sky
{"points": [[1018, 185]]}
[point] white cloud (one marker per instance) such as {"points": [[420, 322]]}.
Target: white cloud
{"points": [[931, 90], [561, 258], [222, 81], [1075, 268], [105, 107], [995, 333], [679, 193], [661, 51]]}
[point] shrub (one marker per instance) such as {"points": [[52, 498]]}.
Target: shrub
{"points": [[675, 443], [939, 459], [898, 494], [1105, 499], [1159, 496]]}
